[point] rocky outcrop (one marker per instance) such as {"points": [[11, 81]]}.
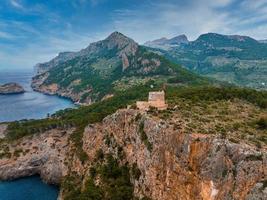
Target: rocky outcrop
{"points": [[43, 154], [173, 165], [11, 88], [3, 128], [62, 57], [179, 165]]}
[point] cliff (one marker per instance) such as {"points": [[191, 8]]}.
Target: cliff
{"points": [[179, 165], [169, 163], [11, 88], [42, 154]]}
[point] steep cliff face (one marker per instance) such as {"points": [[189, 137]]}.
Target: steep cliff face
{"points": [[171, 164], [175, 165], [42, 154]]}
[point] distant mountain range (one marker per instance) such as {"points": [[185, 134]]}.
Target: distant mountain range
{"points": [[105, 67], [167, 43], [236, 59], [263, 41]]}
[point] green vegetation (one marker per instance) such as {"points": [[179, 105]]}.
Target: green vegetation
{"points": [[135, 171], [4, 151], [144, 137], [102, 73], [262, 123], [211, 93], [113, 182], [17, 152], [242, 62], [264, 184]]}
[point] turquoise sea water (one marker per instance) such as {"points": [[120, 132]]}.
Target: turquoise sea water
{"points": [[30, 105], [31, 188]]}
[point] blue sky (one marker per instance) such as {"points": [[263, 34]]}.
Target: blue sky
{"points": [[33, 31]]}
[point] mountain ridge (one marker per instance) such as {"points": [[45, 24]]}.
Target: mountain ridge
{"points": [[98, 70], [236, 59]]}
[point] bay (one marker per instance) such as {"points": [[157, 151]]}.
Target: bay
{"points": [[29, 105], [30, 188]]}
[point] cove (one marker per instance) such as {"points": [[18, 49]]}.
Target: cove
{"points": [[30, 188]]}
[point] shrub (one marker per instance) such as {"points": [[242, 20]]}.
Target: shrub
{"points": [[144, 137], [262, 123], [136, 171]]}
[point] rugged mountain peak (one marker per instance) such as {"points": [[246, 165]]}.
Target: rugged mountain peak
{"points": [[122, 42], [179, 39], [117, 36], [160, 41], [114, 42], [165, 43]]}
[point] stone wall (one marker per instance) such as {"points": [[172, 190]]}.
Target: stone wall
{"points": [[155, 99]]}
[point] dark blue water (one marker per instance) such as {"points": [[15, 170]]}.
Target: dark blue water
{"points": [[31, 188], [30, 105], [27, 106]]}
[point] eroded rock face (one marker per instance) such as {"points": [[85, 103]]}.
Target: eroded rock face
{"points": [[3, 128], [181, 166], [11, 88], [42, 154]]}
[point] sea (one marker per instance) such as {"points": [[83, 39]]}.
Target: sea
{"points": [[30, 105]]}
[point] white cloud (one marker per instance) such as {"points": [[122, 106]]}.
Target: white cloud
{"points": [[5, 35], [168, 19], [16, 4], [47, 48]]}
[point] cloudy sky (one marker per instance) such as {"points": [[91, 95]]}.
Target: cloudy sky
{"points": [[33, 31]]}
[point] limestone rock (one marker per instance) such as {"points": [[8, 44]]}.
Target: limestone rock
{"points": [[11, 88]]}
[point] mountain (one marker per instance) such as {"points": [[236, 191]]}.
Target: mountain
{"points": [[61, 58], [104, 67], [167, 43], [232, 58], [262, 41]]}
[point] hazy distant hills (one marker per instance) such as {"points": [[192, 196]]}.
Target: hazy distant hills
{"points": [[263, 41], [236, 59], [167, 43], [104, 67]]}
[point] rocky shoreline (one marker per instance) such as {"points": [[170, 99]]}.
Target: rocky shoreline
{"points": [[11, 88], [42, 154], [53, 89]]}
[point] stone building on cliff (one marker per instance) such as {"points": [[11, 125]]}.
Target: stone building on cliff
{"points": [[155, 100]]}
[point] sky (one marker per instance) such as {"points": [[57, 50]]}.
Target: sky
{"points": [[34, 31]]}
